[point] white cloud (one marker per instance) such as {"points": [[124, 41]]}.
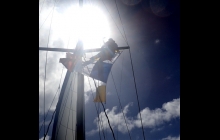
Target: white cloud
{"points": [[116, 120], [172, 109], [171, 138], [150, 118]]}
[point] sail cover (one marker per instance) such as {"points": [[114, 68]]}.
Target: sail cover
{"points": [[65, 122]]}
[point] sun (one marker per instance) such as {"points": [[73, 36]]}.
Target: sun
{"points": [[88, 24]]}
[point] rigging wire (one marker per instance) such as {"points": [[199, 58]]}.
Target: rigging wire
{"points": [[55, 94], [46, 70], [45, 73], [113, 20], [95, 106], [52, 103], [53, 98], [94, 80], [48, 14], [120, 100], [52, 119], [49, 125], [45, 20], [49, 109], [128, 45], [105, 113], [121, 107], [99, 125], [120, 81], [121, 23], [96, 110], [61, 73], [102, 122], [132, 72], [103, 108], [137, 94], [103, 129]]}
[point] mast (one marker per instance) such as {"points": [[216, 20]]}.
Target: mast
{"points": [[80, 107], [80, 114]]}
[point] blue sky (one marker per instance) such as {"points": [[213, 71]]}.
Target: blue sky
{"points": [[153, 34]]}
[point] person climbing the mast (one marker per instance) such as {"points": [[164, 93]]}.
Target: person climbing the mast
{"points": [[107, 52]]}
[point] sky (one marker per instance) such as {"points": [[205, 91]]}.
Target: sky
{"points": [[152, 30]]}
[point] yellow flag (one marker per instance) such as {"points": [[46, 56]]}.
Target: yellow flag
{"points": [[100, 94]]}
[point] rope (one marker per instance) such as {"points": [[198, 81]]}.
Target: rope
{"points": [[121, 107], [49, 125], [50, 107], [95, 106], [48, 15], [132, 71], [121, 23], [48, 110], [120, 102], [120, 82], [53, 98], [96, 109], [113, 20], [57, 89], [99, 125], [105, 113], [104, 109], [45, 71], [137, 95]]}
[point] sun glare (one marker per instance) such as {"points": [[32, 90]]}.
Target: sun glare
{"points": [[88, 24]]}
